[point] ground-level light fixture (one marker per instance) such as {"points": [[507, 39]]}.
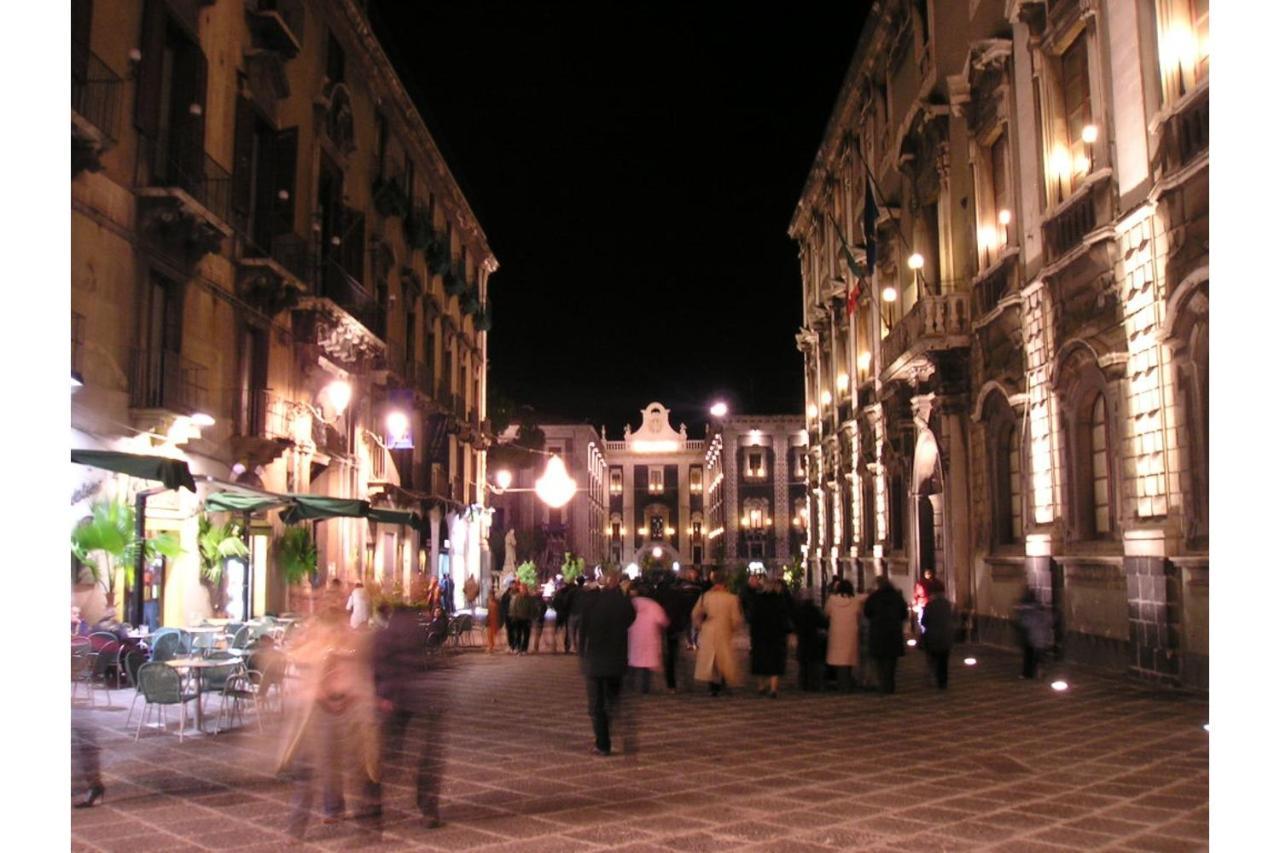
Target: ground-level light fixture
{"points": [[503, 479], [915, 261], [889, 294], [397, 424], [719, 409], [970, 661], [555, 487], [339, 394], [911, 643], [1059, 686]]}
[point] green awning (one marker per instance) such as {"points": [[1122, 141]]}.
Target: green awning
{"points": [[174, 473], [385, 515], [242, 502], [309, 507]]}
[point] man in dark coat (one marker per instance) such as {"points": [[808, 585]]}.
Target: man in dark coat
{"points": [[811, 642], [885, 611], [770, 624], [677, 600], [939, 634], [606, 616], [504, 617]]}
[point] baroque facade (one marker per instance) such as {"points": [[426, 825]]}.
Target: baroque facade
{"points": [[1004, 248], [270, 257]]}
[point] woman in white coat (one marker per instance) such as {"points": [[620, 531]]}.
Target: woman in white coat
{"points": [[844, 611], [717, 615]]}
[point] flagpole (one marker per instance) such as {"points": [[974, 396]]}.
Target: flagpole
{"points": [[875, 190]]}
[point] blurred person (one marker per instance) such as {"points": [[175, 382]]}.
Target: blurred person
{"points": [[677, 601], [939, 634], [359, 605], [843, 612], [539, 620], [770, 623], [401, 684], [606, 617], [1035, 631], [886, 610], [576, 600], [86, 759], [332, 729], [79, 625], [559, 604], [644, 637], [717, 615], [811, 640], [446, 594], [520, 617], [471, 592], [493, 621], [504, 614], [926, 586]]}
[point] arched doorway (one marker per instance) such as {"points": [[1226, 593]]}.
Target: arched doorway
{"points": [[658, 555]]}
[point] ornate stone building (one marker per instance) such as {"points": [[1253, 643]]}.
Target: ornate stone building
{"points": [[270, 257], [1018, 394]]}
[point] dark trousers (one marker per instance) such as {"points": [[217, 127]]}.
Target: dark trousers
{"points": [[844, 678], [518, 634], [430, 761], [671, 655], [938, 664], [640, 678], [811, 674], [602, 705], [1030, 660], [886, 671]]}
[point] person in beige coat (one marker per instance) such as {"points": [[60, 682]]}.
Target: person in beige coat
{"points": [[844, 612], [717, 615]]}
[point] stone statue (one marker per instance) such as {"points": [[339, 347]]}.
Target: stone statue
{"points": [[509, 563]]}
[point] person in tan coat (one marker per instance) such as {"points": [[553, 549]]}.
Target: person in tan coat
{"points": [[843, 611], [717, 615]]}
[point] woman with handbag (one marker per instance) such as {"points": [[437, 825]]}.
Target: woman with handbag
{"points": [[717, 615]]}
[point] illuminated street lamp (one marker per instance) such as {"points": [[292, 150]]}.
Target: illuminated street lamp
{"points": [[719, 409], [503, 479], [397, 424], [339, 393], [555, 487]]}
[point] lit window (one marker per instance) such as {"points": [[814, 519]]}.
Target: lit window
{"points": [[755, 466], [695, 479], [655, 480], [615, 481]]}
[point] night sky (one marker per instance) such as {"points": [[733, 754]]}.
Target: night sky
{"points": [[635, 168]]}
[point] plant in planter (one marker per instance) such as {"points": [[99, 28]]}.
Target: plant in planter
{"points": [[389, 197], [793, 574], [109, 533], [527, 573], [418, 232], [572, 567], [454, 283], [437, 252], [297, 554], [218, 543]]}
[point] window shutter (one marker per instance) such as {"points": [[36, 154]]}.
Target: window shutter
{"points": [[146, 113], [242, 165], [284, 169]]}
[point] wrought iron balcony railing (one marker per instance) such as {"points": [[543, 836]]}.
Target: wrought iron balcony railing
{"points": [[95, 97], [338, 286], [176, 159], [161, 379]]}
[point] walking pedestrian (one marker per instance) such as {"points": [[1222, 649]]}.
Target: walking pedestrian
{"points": [[717, 615], [86, 759], [400, 679], [493, 621], [574, 606], [811, 640], [886, 610], [770, 624], [504, 611], [939, 634], [644, 637], [519, 618], [677, 601], [843, 612], [605, 620], [926, 586], [471, 592], [539, 613], [1035, 631], [359, 605]]}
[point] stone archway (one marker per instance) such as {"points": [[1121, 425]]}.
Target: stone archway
{"points": [[660, 551]]}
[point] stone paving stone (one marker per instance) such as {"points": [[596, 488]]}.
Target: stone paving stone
{"points": [[1019, 768]]}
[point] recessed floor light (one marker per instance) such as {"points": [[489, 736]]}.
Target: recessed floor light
{"points": [[970, 661], [1059, 686]]}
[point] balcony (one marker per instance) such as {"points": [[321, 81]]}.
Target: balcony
{"points": [[167, 381], [1183, 133], [1068, 226], [273, 281], [994, 283], [184, 195], [96, 91], [276, 25], [933, 324], [264, 426], [327, 439], [344, 290]]}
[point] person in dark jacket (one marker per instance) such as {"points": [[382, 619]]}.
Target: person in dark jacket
{"points": [[939, 634], [677, 600], [811, 641], [573, 613], [770, 624], [606, 617], [886, 610], [401, 680], [504, 617], [560, 604], [1035, 631]]}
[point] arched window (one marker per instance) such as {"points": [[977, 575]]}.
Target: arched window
{"points": [[1100, 467], [1005, 467]]}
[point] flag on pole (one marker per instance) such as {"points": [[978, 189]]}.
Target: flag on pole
{"points": [[851, 296], [869, 214], [855, 269]]}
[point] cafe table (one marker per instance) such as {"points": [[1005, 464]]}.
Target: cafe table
{"points": [[197, 666]]}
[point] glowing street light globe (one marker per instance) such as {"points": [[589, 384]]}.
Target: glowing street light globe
{"points": [[719, 410], [339, 394], [397, 424], [503, 479], [555, 487]]}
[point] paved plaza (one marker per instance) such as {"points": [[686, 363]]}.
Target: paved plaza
{"points": [[994, 763]]}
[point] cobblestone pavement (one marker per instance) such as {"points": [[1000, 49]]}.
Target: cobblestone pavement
{"points": [[994, 763]]}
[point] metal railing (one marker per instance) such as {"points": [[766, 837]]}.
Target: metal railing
{"points": [[338, 286], [160, 379], [95, 96], [264, 415], [1068, 227], [177, 159], [1191, 125], [291, 17]]}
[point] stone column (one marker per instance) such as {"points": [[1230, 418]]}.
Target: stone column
{"points": [[1155, 611], [953, 453]]}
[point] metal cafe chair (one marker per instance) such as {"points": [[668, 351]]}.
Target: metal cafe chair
{"points": [[161, 686]]}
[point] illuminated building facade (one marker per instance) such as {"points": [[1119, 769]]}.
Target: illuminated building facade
{"points": [[263, 231], [1019, 395]]}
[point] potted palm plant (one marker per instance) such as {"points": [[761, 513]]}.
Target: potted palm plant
{"points": [[218, 543], [296, 553], [106, 543]]}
